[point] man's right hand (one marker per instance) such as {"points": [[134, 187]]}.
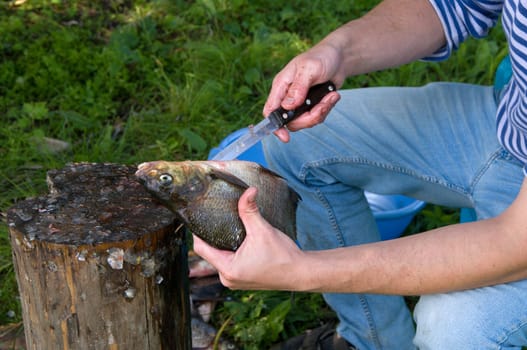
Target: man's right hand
{"points": [[291, 84]]}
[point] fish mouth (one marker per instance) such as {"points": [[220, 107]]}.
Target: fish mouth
{"points": [[143, 171], [143, 166]]}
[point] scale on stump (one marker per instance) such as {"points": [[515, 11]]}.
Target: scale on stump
{"points": [[99, 264]]}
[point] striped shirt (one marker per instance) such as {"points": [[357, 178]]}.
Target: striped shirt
{"points": [[464, 18]]}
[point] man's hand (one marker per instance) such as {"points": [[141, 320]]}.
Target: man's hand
{"points": [[267, 258], [291, 85]]}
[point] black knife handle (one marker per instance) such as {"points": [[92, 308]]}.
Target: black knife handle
{"points": [[316, 93]]}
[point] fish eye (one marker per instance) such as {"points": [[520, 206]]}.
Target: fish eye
{"points": [[165, 179]]}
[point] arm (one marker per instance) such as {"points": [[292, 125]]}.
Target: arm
{"points": [[451, 258], [393, 33]]}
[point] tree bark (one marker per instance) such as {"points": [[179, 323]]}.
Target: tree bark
{"points": [[99, 264]]}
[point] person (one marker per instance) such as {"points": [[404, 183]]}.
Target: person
{"points": [[452, 144]]}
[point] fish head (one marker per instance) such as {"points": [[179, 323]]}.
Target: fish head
{"points": [[173, 183]]}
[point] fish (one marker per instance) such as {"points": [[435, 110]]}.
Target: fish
{"points": [[204, 195]]}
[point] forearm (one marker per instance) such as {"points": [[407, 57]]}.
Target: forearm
{"points": [[393, 33], [451, 258], [455, 257]]}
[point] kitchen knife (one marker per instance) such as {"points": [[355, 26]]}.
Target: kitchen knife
{"points": [[274, 121]]}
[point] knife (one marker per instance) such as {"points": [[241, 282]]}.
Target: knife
{"points": [[274, 121]]}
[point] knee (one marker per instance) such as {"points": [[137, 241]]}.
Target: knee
{"points": [[271, 147], [447, 321], [281, 159]]}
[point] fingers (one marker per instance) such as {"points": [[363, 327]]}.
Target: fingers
{"points": [[309, 119], [263, 253], [290, 88], [283, 135], [215, 257], [250, 215], [307, 74], [317, 115], [291, 85], [277, 94]]}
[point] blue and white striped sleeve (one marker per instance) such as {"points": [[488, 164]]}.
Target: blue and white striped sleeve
{"points": [[464, 18]]}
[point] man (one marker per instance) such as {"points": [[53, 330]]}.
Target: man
{"points": [[450, 144]]}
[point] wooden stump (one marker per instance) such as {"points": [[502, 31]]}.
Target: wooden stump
{"points": [[99, 264]]}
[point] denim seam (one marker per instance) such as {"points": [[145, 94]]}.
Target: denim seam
{"points": [[363, 301], [334, 225], [369, 319], [510, 332], [499, 153], [304, 170]]}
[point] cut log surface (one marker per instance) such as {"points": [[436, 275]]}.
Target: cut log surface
{"points": [[100, 264]]}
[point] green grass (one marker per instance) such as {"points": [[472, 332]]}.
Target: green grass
{"points": [[129, 81]]}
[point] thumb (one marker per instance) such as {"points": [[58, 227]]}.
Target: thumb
{"points": [[247, 203], [249, 212]]}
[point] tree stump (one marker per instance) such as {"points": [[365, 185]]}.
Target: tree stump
{"points": [[99, 264]]}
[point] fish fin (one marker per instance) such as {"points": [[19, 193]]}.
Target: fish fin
{"points": [[269, 171], [228, 177]]}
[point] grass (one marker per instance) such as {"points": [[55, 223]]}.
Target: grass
{"points": [[128, 81]]}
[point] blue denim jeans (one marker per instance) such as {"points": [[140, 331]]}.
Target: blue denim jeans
{"points": [[436, 143]]}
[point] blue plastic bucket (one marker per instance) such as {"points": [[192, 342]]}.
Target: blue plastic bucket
{"points": [[392, 213]]}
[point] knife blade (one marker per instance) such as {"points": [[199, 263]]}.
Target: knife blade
{"points": [[274, 121]]}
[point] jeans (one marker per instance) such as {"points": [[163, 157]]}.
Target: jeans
{"points": [[436, 143]]}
